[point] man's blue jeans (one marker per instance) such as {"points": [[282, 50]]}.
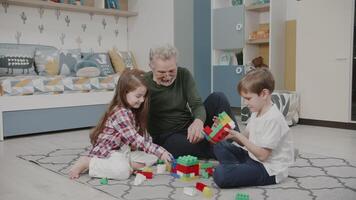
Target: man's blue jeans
{"points": [[237, 169]]}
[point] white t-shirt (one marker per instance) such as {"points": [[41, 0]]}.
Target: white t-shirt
{"points": [[271, 131]]}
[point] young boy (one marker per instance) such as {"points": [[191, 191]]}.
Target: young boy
{"points": [[268, 148]]}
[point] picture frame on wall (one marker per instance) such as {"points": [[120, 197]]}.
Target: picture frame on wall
{"points": [[114, 4]]}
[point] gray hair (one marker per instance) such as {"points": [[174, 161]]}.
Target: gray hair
{"points": [[164, 52]]}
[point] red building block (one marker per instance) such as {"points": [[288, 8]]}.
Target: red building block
{"points": [[200, 186], [148, 175], [210, 171], [188, 169], [207, 130]]}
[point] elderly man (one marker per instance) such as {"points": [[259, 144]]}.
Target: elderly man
{"points": [[177, 115]]}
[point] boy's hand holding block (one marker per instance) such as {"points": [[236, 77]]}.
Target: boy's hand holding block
{"points": [[217, 133]]}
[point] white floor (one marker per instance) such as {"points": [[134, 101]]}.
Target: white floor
{"points": [[23, 180]]}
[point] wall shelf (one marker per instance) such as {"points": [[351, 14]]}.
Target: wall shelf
{"points": [[261, 41], [258, 7], [69, 7]]}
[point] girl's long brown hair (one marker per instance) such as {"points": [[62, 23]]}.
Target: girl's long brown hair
{"points": [[129, 80]]}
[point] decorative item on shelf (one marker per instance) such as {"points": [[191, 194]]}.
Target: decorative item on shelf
{"points": [[258, 62], [259, 35], [225, 58], [112, 4], [68, 2], [89, 3], [239, 57], [236, 2], [264, 1]]}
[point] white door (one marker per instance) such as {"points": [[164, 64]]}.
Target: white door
{"points": [[324, 52]]}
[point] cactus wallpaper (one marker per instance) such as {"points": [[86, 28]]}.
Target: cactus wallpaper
{"points": [[62, 29]]}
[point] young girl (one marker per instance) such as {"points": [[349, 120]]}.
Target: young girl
{"points": [[268, 147], [120, 141]]}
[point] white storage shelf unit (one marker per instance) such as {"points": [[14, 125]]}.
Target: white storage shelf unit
{"points": [[272, 15], [231, 26]]}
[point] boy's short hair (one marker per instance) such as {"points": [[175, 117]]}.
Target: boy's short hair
{"points": [[256, 80]]}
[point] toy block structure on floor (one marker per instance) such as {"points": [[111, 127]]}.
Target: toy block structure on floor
{"points": [[187, 167], [217, 133], [206, 170]]}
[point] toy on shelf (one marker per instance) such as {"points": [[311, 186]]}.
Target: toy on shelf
{"points": [[187, 167], [262, 34], [242, 196], [217, 132]]}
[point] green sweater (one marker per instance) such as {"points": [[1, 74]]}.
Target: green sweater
{"points": [[168, 105]]}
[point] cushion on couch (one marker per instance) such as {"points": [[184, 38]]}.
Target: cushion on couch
{"points": [[122, 60], [16, 59], [68, 60], [98, 60], [47, 61]]}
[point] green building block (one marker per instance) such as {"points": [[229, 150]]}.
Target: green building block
{"points": [[104, 181], [160, 161], [187, 160], [206, 165], [242, 196], [205, 175]]}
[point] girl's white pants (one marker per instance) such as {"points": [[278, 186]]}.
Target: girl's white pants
{"points": [[117, 166]]}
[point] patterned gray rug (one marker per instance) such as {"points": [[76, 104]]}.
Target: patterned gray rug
{"points": [[313, 177]]}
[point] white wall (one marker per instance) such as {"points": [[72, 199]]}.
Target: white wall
{"points": [[11, 24], [153, 26]]}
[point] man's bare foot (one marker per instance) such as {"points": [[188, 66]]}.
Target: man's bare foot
{"points": [[80, 166], [136, 165]]}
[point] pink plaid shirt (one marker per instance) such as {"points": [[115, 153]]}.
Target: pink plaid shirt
{"points": [[120, 129]]}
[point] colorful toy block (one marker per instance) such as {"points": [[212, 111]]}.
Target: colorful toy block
{"points": [[187, 167], [187, 160], [217, 132], [104, 181], [139, 179], [205, 165], [242, 196], [204, 174], [207, 192], [148, 175], [200, 186], [147, 169]]}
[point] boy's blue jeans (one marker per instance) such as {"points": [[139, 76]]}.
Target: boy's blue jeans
{"points": [[237, 169]]}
